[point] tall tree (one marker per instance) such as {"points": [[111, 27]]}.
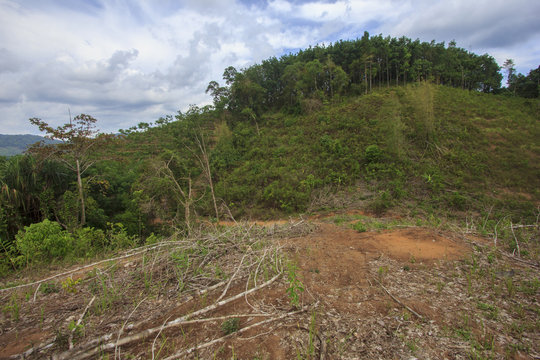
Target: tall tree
{"points": [[78, 139], [509, 66]]}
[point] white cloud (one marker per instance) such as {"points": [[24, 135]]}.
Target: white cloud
{"points": [[130, 61], [280, 6]]}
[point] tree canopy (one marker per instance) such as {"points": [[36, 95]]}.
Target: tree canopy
{"points": [[352, 66]]}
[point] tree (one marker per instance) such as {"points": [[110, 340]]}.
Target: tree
{"points": [[510, 72], [78, 140], [528, 86]]}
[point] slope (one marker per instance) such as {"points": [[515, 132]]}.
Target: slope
{"points": [[421, 148]]}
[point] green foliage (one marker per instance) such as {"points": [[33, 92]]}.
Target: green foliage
{"points": [[87, 241], [48, 288], [359, 226], [118, 238], [13, 307], [373, 154], [382, 202], [295, 285], [69, 285], [43, 241]]}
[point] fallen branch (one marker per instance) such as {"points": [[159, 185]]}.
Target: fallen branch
{"points": [[124, 325], [131, 254], [399, 302], [79, 321], [86, 351], [515, 238], [35, 293], [232, 278], [44, 346], [223, 338]]}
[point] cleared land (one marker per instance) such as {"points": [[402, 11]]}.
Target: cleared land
{"points": [[307, 288]]}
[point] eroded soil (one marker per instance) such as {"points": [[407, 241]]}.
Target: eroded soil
{"points": [[403, 293]]}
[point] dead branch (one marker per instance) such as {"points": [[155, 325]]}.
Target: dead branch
{"points": [[79, 322], [223, 338], [231, 279], [86, 351], [124, 325], [35, 293], [130, 254], [399, 302], [44, 346]]}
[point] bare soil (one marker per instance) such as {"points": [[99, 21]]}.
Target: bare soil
{"points": [[404, 293]]}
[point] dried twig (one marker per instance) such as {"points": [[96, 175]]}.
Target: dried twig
{"points": [[399, 302], [79, 321], [223, 338], [124, 325], [91, 265], [87, 351]]}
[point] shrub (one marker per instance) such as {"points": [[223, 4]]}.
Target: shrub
{"points": [[87, 240], [373, 154], [359, 226], [382, 202], [118, 236], [43, 241]]}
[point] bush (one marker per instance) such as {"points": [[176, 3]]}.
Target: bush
{"points": [[373, 154], [43, 241], [118, 236], [381, 203], [359, 226], [87, 240]]}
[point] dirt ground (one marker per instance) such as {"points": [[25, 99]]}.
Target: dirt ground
{"points": [[401, 293]]}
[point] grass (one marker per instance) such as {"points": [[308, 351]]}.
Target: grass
{"points": [[13, 307]]}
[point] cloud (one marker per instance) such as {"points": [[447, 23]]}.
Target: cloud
{"points": [[130, 61], [482, 23]]}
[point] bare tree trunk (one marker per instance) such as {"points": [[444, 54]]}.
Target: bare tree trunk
{"points": [[187, 205], [365, 78], [205, 163], [370, 77], [387, 73], [81, 195]]}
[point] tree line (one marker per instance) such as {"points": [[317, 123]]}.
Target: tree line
{"points": [[320, 73]]}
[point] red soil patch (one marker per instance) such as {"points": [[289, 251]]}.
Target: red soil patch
{"points": [[417, 243]]}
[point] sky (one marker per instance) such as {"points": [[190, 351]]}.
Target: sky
{"points": [[131, 61]]}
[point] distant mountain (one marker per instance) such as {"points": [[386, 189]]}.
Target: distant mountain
{"points": [[16, 144]]}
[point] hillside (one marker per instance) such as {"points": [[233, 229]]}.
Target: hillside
{"points": [[422, 148], [16, 144]]}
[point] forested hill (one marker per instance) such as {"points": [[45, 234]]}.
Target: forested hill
{"points": [[17, 144], [378, 124]]}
